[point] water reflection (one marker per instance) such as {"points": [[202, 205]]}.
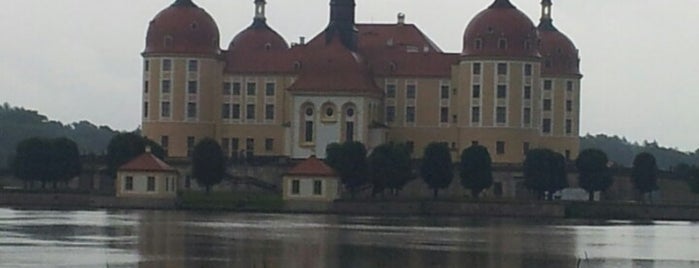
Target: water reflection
{"points": [[191, 239]]}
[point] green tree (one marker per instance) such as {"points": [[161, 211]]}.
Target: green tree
{"points": [[126, 146], [644, 173], [65, 161], [349, 160], [593, 171], [544, 172], [47, 161], [476, 169], [436, 169], [390, 167], [693, 179], [208, 163], [27, 164]]}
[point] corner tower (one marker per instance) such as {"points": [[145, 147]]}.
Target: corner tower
{"points": [[342, 23], [561, 77], [180, 74], [498, 81]]}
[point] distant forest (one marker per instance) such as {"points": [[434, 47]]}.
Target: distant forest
{"points": [[17, 124], [622, 152]]}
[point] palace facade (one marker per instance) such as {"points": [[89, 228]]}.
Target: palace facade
{"points": [[513, 87]]}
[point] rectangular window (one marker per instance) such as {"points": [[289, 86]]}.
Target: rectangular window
{"points": [[151, 184], [270, 89], [249, 147], [546, 125], [226, 111], [501, 115], [525, 147], [193, 66], [295, 187], [390, 91], [569, 126], [475, 115], [250, 112], [548, 84], [128, 185], [252, 89], [477, 68], [502, 91], [410, 114], [192, 87], [226, 146], [167, 65], [569, 86], [269, 145], [445, 92], [476, 93], [500, 147], [547, 104], [165, 109], [390, 114], [236, 89], [444, 115], [165, 86], [527, 92], [569, 106], [235, 145], [269, 112], [146, 87], [308, 131], [527, 70], [502, 68], [236, 111], [165, 142], [191, 110], [146, 65], [227, 87], [190, 145], [145, 109], [317, 187], [527, 116], [410, 92]]}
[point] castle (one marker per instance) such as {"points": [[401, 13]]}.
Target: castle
{"points": [[513, 87]]}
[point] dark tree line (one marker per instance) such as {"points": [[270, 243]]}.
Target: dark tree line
{"points": [[46, 161], [18, 124]]}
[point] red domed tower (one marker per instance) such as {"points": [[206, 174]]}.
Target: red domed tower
{"points": [[181, 70], [560, 75], [499, 78]]}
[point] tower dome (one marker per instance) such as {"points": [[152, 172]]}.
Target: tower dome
{"points": [[259, 35], [559, 54], [185, 28], [501, 30]]}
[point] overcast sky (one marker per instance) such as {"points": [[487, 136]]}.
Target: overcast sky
{"points": [[80, 59]]}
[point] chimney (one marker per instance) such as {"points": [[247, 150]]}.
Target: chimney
{"points": [[302, 40], [401, 18]]}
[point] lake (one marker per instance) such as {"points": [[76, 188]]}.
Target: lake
{"points": [[33, 238]]}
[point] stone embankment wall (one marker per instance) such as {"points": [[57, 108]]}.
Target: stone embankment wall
{"points": [[80, 201]]}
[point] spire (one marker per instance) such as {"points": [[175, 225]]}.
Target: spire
{"points": [[342, 23], [183, 3], [546, 22], [502, 4], [260, 20]]}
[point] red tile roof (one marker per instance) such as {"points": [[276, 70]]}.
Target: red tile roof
{"points": [[258, 49], [147, 162], [312, 167], [332, 67]]}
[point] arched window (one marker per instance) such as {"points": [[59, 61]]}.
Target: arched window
{"points": [[350, 119], [308, 113]]}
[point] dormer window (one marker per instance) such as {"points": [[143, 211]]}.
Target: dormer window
{"points": [[268, 46], [479, 43], [194, 26], [167, 41], [297, 65], [502, 43], [527, 45]]}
